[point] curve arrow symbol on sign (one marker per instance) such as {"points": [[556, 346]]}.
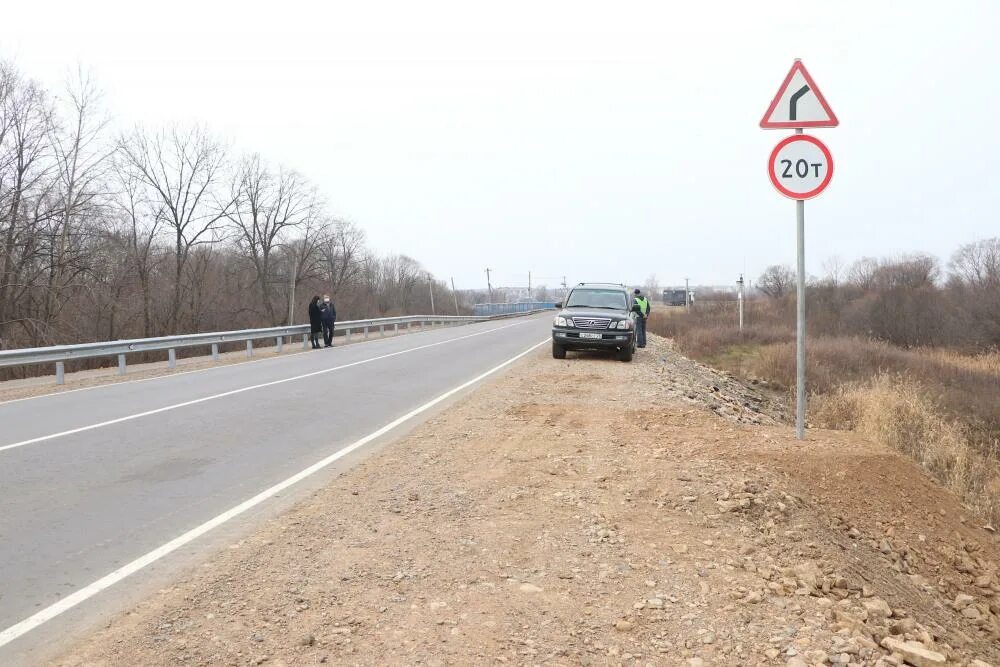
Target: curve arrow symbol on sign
{"points": [[793, 102]]}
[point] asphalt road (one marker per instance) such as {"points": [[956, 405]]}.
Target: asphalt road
{"points": [[92, 480]]}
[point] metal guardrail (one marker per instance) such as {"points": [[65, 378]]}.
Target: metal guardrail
{"points": [[483, 309], [59, 354]]}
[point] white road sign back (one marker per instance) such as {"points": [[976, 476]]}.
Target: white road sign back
{"points": [[799, 103]]}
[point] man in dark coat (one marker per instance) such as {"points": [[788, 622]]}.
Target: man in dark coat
{"points": [[315, 322], [328, 316]]}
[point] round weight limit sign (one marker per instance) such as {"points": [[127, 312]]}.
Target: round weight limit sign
{"points": [[800, 166]]}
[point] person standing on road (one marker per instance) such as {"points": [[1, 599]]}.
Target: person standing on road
{"points": [[315, 322], [328, 316], [641, 307]]}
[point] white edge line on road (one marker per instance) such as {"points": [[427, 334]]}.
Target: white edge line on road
{"points": [[283, 355], [184, 404], [65, 604]]}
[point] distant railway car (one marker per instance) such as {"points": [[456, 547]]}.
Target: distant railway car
{"points": [[673, 297]]}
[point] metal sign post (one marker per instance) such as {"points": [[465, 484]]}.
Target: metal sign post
{"points": [[800, 317], [800, 167], [740, 297]]}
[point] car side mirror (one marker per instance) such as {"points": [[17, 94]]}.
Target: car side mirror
{"points": [[558, 304]]}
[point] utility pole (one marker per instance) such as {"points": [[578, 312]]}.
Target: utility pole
{"points": [[489, 285], [687, 295], [454, 295], [739, 297], [529, 286], [565, 290], [430, 281]]}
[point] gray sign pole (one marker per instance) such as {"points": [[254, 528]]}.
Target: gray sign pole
{"points": [[800, 320]]}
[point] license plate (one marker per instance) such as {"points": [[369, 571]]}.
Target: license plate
{"points": [[590, 335]]}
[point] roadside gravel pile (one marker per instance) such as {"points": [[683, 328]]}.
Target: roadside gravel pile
{"points": [[695, 383], [590, 512]]}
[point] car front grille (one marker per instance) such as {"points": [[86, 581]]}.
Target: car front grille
{"points": [[591, 322]]}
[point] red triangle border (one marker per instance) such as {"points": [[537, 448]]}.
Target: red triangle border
{"points": [[798, 66]]}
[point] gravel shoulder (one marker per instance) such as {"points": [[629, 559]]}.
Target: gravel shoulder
{"points": [[588, 511]]}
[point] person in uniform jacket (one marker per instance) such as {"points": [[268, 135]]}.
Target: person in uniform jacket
{"points": [[641, 307]]}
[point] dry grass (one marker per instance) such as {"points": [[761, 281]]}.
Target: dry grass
{"points": [[939, 406], [966, 387], [896, 411], [707, 332]]}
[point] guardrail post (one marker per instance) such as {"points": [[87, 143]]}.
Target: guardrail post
{"points": [[347, 334], [121, 364], [171, 358], [249, 349], [408, 326], [381, 330], [281, 344], [60, 373], [305, 341], [215, 351], [366, 333], [395, 329]]}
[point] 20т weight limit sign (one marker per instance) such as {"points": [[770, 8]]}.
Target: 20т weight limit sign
{"points": [[800, 166]]}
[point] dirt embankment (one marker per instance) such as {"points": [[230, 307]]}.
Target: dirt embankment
{"points": [[592, 512]]}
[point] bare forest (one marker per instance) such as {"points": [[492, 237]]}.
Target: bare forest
{"points": [[108, 234]]}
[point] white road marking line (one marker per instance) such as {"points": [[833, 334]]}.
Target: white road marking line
{"points": [[241, 390], [65, 604], [284, 355]]}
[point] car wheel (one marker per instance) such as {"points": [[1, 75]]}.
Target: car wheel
{"points": [[558, 351], [625, 354]]}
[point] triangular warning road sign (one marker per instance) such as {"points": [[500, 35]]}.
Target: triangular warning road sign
{"points": [[799, 103]]}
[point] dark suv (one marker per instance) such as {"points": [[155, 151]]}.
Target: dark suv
{"points": [[595, 316]]}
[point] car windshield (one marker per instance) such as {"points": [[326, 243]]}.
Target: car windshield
{"points": [[597, 298]]}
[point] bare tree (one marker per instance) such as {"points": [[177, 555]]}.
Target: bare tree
{"points": [[343, 251], [25, 184], [978, 264], [863, 272], [776, 281], [184, 168], [151, 233], [305, 259], [268, 210], [144, 218], [651, 286], [909, 271], [834, 269], [80, 156]]}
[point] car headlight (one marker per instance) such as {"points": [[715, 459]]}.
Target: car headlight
{"points": [[561, 322], [625, 324]]}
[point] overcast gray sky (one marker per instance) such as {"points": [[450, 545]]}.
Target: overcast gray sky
{"points": [[596, 140]]}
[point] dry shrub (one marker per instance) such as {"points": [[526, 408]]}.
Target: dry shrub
{"points": [[776, 364], [896, 411], [709, 329], [966, 386]]}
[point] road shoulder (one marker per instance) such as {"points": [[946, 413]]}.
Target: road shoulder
{"points": [[584, 512]]}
